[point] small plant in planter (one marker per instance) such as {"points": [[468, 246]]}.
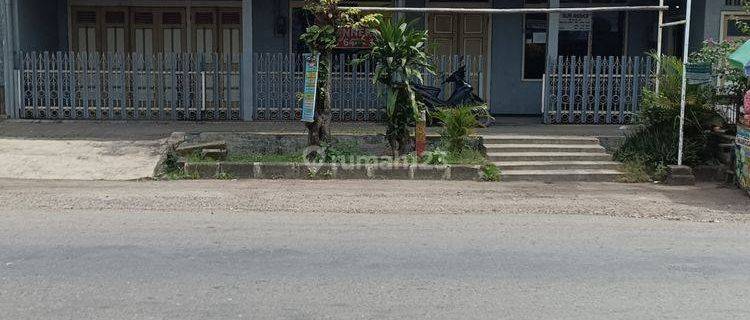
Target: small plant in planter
{"points": [[458, 125], [399, 54]]}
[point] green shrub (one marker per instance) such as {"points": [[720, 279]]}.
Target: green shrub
{"points": [[490, 173], [634, 172], [436, 157], [343, 152], [655, 142], [458, 124]]}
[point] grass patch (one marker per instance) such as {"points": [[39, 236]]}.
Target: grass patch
{"points": [[173, 171], [466, 156], [638, 172], [266, 158], [225, 176], [179, 175], [634, 172]]}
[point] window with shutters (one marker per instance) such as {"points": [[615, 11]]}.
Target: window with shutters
{"points": [[114, 30], [144, 24], [231, 26], [152, 30], [204, 23], [172, 31], [85, 27]]}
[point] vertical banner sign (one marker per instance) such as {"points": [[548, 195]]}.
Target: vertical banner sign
{"points": [[312, 63], [743, 156]]}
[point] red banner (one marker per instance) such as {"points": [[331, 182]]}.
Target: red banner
{"points": [[354, 39]]}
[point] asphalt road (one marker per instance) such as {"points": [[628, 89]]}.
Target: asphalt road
{"points": [[95, 250]]}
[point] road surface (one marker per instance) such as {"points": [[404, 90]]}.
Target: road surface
{"points": [[235, 250]]}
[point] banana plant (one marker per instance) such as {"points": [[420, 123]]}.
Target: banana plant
{"points": [[399, 53]]}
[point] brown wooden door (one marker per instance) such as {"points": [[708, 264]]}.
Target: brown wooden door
{"points": [[459, 34]]}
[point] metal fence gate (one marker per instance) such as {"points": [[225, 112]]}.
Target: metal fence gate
{"points": [[279, 78], [595, 90], [197, 87], [114, 86]]}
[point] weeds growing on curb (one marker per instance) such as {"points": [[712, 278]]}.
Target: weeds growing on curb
{"points": [[173, 171], [225, 176], [490, 173], [638, 172], [634, 172]]}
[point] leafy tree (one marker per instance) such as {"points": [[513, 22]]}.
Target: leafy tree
{"points": [[322, 38], [731, 82], [399, 54]]}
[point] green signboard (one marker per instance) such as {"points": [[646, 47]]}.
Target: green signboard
{"points": [[312, 64], [698, 73]]}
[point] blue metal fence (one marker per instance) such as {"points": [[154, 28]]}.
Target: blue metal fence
{"points": [[172, 86], [187, 86], [595, 90], [279, 78]]}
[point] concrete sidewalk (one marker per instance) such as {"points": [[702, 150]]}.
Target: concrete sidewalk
{"points": [[150, 130], [79, 159]]}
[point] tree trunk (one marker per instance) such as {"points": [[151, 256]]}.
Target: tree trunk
{"points": [[319, 131]]}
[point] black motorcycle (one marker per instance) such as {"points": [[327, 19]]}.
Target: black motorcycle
{"points": [[462, 95]]}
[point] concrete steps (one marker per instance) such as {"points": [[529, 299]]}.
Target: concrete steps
{"points": [[588, 175], [546, 156], [562, 148], [559, 165], [551, 159]]}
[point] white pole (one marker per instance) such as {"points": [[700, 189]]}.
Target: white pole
{"points": [[659, 39], [203, 90], [683, 103]]}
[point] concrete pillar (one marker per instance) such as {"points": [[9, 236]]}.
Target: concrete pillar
{"points": [[247, 99], [9, 46], [553, 32]]}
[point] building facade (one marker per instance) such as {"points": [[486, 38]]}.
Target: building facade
{"points": [[512, 50]]}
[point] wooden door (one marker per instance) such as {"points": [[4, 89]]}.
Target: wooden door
{"points": [[443, 28], [473, 34], [459, 34]]}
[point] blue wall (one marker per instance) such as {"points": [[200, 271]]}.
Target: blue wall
{"points": [[508, 94], [642, 29], [265, 14]]}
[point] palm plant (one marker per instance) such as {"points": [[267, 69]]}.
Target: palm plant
{"points": [[399, 54]]}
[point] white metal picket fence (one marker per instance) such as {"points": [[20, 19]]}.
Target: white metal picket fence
{"points": [[113, 86], [595, 90], [199, 87], [279, 77]]}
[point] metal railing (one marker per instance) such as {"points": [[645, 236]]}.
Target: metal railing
{"points": [[279, 79], [197, 87], [115, 86], [595, 90]]}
